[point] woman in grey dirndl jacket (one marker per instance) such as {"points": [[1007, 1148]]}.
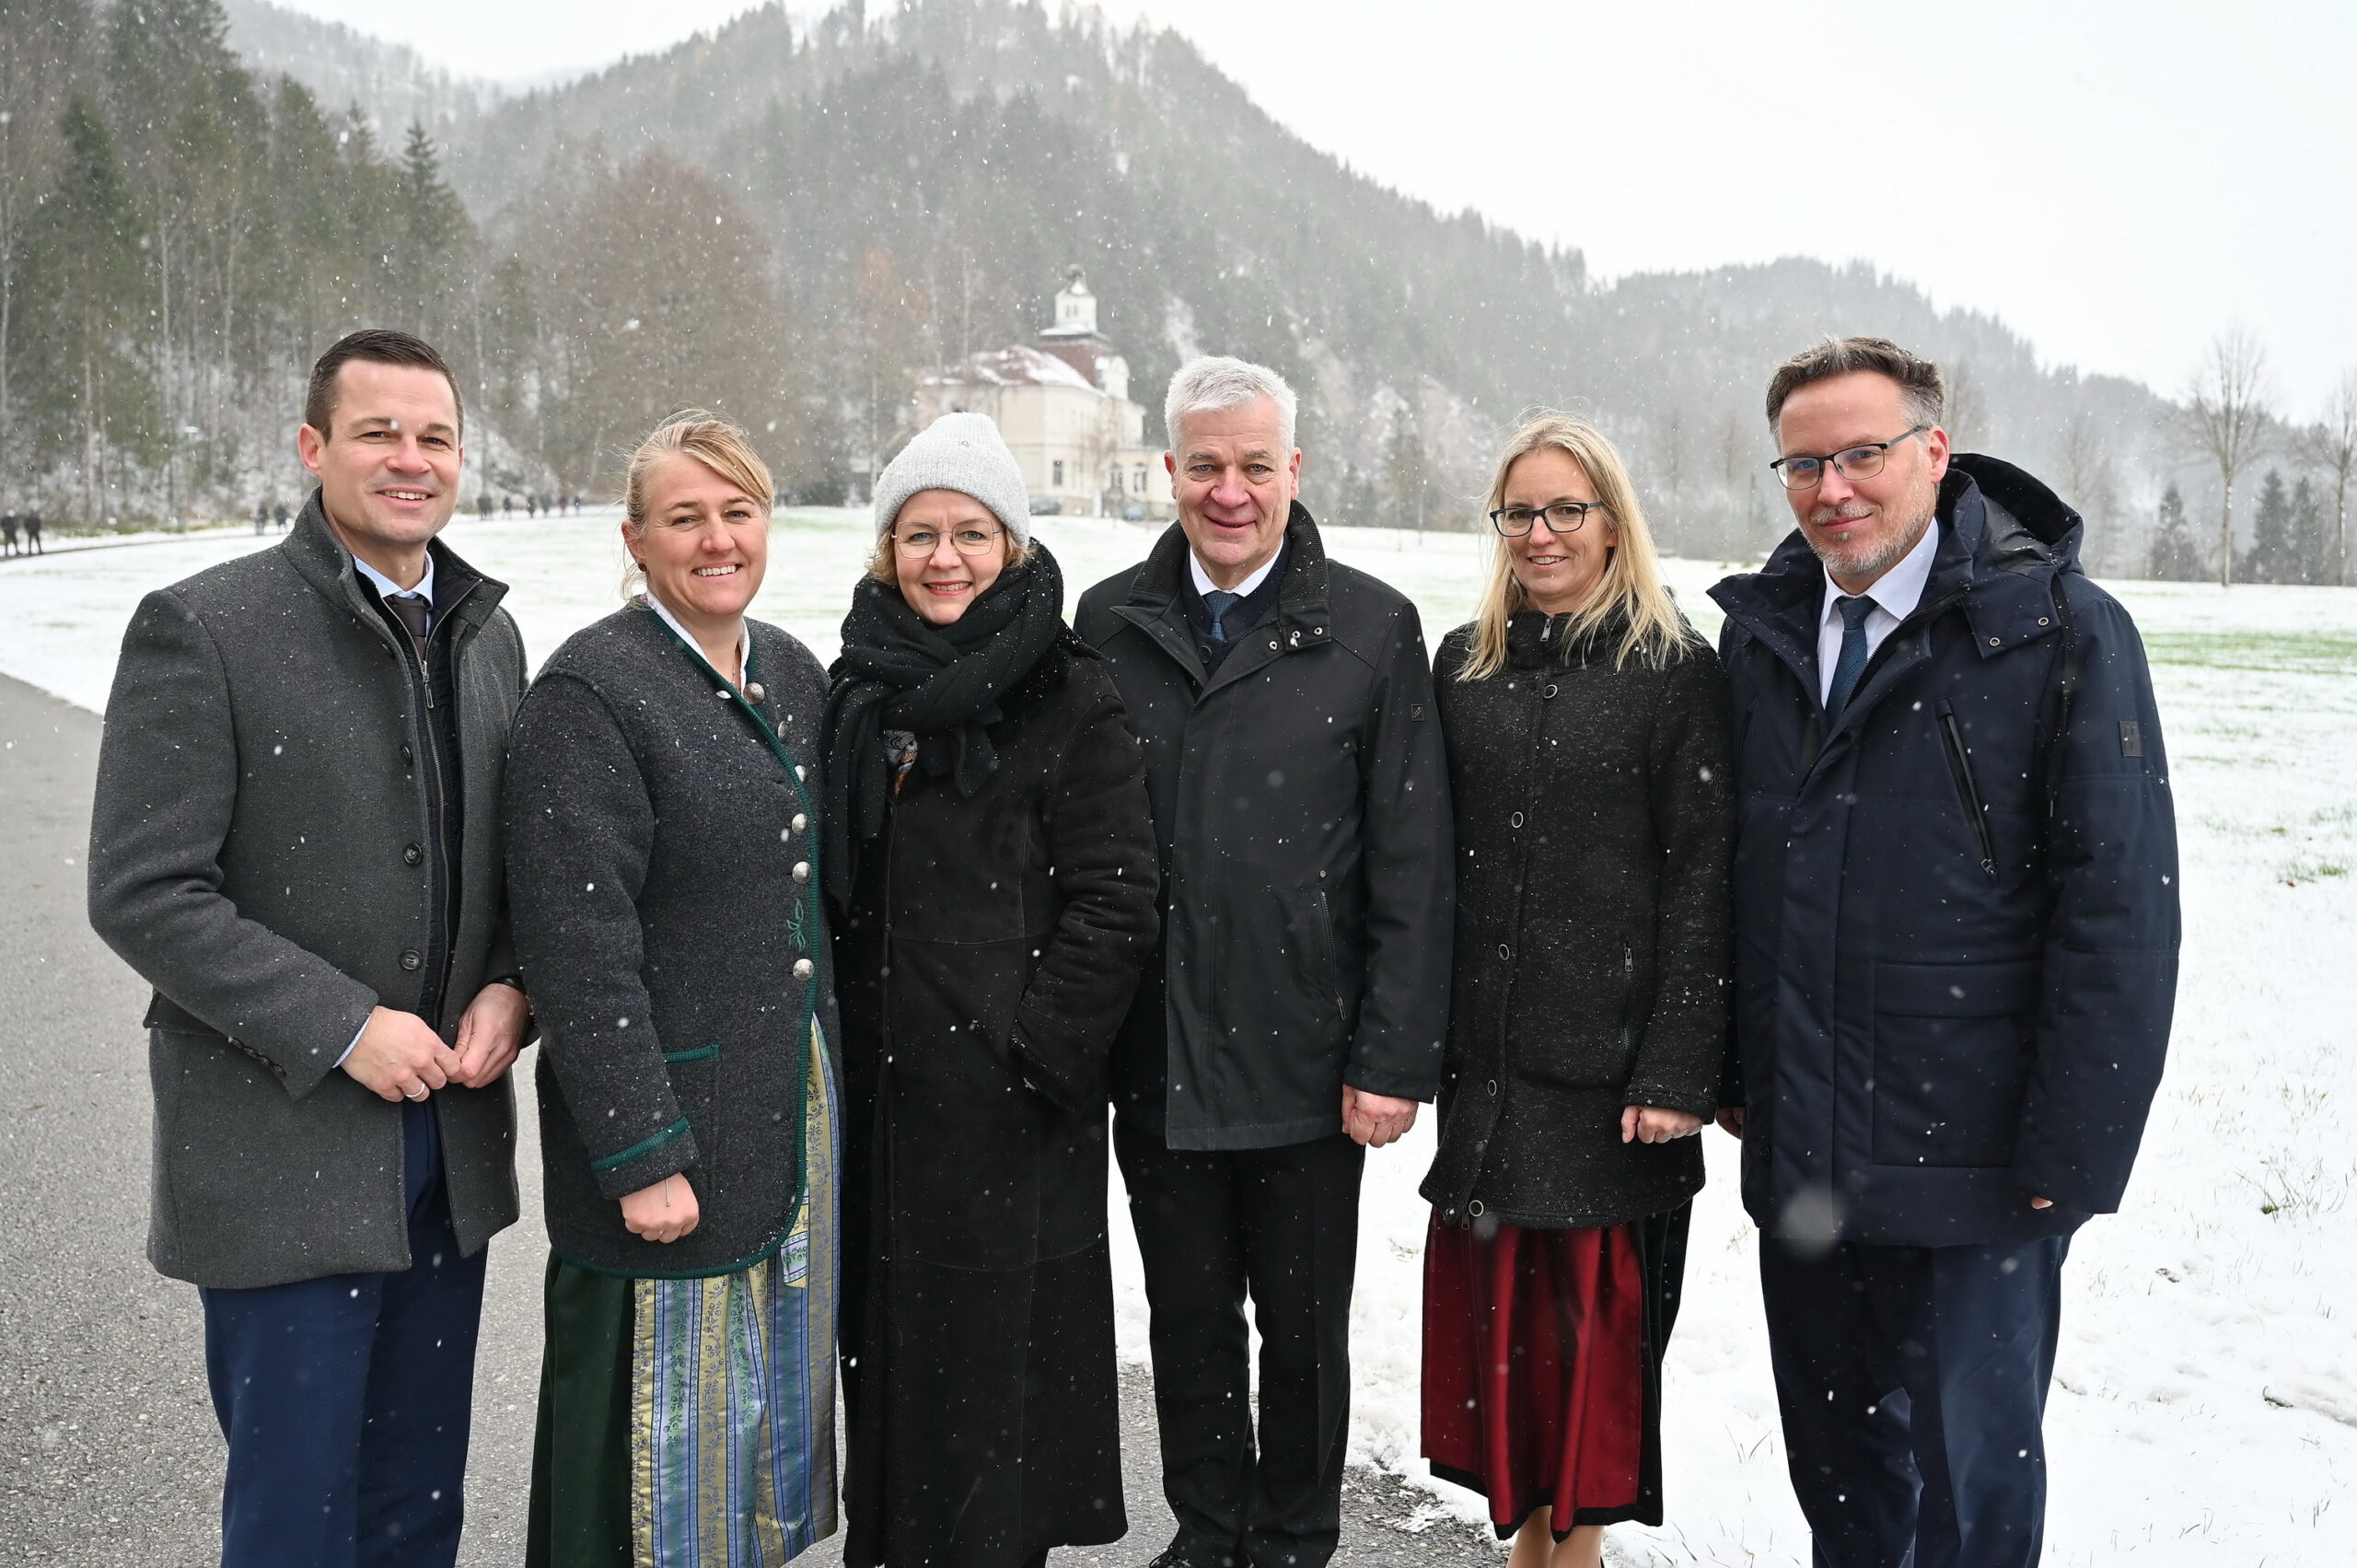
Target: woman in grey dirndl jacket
{"points": [[661, 837]]}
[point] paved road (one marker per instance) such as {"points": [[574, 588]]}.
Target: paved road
{"points": [[109, 1454]]}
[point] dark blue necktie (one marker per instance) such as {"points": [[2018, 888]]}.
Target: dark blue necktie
{"points": [[1852, 662], [1219, 602]]}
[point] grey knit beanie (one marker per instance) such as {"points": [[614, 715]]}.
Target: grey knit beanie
{"points": [[962, 452]]}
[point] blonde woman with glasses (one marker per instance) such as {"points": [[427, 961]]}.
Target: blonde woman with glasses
{"points": [[1587, 739]]}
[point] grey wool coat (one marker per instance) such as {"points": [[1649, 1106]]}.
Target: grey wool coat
{"points": [[254, 856], [663, 859]]}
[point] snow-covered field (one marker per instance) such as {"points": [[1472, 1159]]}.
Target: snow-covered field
{"points": [[2205, 1408]]}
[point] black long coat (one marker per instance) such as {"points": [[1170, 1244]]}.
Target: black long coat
{"points": [[1302, 802], [991, 947], [1595, 823], [1949, 998]]}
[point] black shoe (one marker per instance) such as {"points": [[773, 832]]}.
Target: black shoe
{"points": [[1173, 1556]]}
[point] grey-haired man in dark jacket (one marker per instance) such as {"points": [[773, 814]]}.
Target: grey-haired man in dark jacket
{"points": [[295, 842], [1955, 954], [1294, 1015]]}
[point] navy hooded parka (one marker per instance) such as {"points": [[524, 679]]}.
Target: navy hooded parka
{"points": [[1956, 934]]}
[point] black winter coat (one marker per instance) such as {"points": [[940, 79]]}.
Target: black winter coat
{"points": [[989, 951], [661, 856], [1595, 821], [1301, 809], [1945, 1000]]}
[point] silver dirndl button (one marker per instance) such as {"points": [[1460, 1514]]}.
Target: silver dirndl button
{"points": [[802, 871], [804, 968]]}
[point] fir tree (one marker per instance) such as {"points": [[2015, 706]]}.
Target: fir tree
{"points": [[90, 270], [2275, 548], [1406, 478], [2311, 535], [2174, 556]]}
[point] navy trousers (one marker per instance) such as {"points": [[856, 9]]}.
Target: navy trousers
{"points": [[1912, 1382], [346, 1401]]}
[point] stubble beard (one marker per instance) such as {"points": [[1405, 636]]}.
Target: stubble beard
{"points": [[1867, 563]]}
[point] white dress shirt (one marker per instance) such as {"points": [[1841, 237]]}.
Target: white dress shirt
{"points": [[1895, 594], [388, 589], [1204, 584], [744, 636]]}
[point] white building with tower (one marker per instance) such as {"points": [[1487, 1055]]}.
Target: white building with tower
{"points": [[1063, 402]]}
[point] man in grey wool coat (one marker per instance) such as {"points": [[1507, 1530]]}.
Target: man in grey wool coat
{"points": [[295, 840]]}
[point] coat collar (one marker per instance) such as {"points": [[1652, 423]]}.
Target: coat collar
{"points": [[461, 592]]}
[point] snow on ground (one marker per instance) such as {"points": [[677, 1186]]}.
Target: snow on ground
{"points": [[2205, 1406]]}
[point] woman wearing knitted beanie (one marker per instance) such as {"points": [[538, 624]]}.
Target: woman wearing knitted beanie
{"points": [[1588, 756], [991, 860], [662, 779]]}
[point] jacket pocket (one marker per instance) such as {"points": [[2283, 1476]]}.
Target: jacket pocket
{"points": [[1573, 1024], [1951, 1055], [1967, 789], [694, 1074], [1309, 937]]}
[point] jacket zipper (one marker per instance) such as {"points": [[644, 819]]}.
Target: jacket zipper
{"points": [[419, 662], [1967, 791]]}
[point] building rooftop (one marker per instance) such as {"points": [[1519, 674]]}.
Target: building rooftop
{"points": [[1017, 366]]}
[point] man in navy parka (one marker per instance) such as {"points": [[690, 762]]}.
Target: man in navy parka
{"points": [[1956, 927]]}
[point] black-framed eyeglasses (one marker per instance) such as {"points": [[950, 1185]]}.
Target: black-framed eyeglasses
{"points": [[1850, 462], [1563, 516], [971, 539]]}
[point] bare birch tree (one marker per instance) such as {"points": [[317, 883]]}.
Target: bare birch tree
{"points": [[2226, 410], [2332, 447]]}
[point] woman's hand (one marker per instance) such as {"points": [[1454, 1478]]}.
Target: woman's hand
{"points": [[1652, 1124], [664, 1212]]}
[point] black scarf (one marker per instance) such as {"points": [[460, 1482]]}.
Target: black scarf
{"points": [[943, 683]]}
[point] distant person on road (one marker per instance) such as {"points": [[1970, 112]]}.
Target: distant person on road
{"points": [[279, 510], [296, 840], [8, 534], [30, 523], [662, 816], [1955, 909], [1294, 1015], [991, 855], [1587, 753], [261, 517]]}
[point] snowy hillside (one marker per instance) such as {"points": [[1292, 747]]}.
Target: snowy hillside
{"points": [[2205, 1410]]}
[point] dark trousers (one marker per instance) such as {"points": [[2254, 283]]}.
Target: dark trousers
{"points": [[1281, 1226], [1912, 1382], [346, 1401]]}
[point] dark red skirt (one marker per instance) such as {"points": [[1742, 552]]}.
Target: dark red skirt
{"points": [[1542, 1368]]}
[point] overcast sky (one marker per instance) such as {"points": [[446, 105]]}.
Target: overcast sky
{"points": [[2119, 182]]}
